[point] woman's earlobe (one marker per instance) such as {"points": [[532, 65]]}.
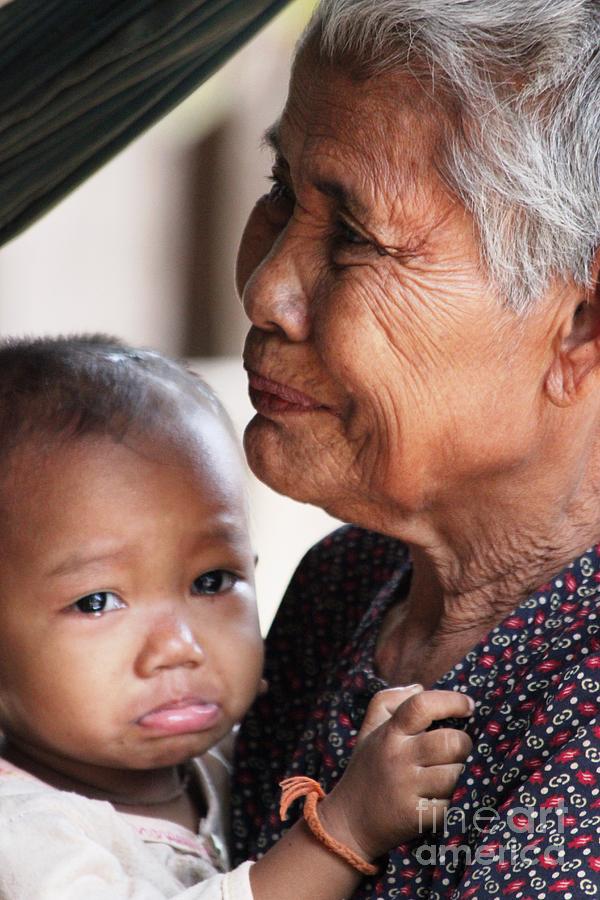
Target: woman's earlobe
{"points": [[559, 382]]}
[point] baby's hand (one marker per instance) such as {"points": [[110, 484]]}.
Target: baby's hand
{"points": [[400, 777]]}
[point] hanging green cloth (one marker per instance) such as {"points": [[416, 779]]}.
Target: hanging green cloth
{"points": [[79, 79]]}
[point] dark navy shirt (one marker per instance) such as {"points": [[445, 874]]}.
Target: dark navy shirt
{"points": [[524, 819]]}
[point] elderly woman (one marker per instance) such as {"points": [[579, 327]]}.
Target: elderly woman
{"points": [[424, 360]]}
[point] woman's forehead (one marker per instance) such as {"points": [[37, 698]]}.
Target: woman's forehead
{"points": [[329, 112], [368, 146]]}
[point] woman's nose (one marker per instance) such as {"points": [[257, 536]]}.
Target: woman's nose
{"points": [[169, 644], [272, 289]]}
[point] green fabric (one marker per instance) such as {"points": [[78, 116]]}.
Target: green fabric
{"points": [[79, 79]]}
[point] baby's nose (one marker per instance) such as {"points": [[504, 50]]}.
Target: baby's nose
{"points": [[170, 643]]}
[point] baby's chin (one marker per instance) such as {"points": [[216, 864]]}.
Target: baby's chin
{"points": [[175, 752]]}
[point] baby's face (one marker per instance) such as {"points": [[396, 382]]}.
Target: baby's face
{"points": [[128, 628]]}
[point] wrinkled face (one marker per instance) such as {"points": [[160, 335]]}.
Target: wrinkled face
{"points": [[128, 627], [385, 372]]}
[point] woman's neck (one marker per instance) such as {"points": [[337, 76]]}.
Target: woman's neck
{"points": [[471, 573]]}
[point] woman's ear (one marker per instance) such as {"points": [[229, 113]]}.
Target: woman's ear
{"points": [[575, 369]]}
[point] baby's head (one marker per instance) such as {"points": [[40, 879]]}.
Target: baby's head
{"points": [[128, 629]]}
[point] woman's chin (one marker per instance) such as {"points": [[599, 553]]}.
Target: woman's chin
{"points": [[284, 461], [325, 473], [265, 454]]}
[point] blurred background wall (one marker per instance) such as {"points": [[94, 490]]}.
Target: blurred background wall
{"points": [[145, 250]]}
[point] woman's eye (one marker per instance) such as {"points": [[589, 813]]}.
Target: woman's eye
{"points": [[346, 234], [98, 603], [280, 190], [217, 581]]}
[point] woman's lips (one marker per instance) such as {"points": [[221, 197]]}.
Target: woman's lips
{"points": [[181, 717], [271, 397]]}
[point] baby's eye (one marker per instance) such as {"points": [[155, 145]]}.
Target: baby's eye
{"points": [[98, 603], [218, 581]]}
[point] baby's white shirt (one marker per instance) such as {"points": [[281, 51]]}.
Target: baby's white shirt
{"points": [[58, 845]]}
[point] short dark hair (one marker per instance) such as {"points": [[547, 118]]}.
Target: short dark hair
{"points": [[77, 385]]}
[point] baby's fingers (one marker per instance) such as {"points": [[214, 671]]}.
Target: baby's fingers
{"points": [[420, 710], [438, 782], [444, 745], [383, 705]]}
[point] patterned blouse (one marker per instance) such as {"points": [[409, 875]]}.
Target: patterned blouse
{"points": [[524, 819]]}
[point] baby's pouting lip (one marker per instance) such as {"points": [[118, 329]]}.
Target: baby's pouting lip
{"points": [[178, 716]]}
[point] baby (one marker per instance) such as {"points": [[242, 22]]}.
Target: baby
{"points": [[130, 647]]}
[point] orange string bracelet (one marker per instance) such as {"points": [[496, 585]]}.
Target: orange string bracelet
{"points": [[302, 786]]}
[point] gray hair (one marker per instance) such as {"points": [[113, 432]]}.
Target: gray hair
{"points": [[521, 80]]}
